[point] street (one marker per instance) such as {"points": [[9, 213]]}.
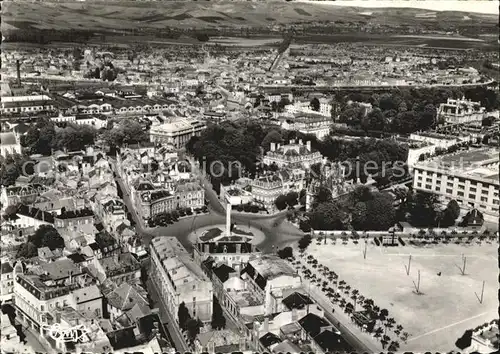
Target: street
{"points": [[276, 236]]}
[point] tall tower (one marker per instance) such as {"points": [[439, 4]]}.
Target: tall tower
{"points": [[228, 218]]}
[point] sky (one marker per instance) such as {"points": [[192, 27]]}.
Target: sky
{"points": [[480, 6]]}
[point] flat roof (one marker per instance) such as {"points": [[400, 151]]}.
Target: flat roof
{"points": [[480, 163]]}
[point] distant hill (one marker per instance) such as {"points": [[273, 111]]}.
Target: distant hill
{"points": [[125, 15]]}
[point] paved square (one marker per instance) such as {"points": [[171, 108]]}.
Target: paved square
{"points": [[448, 305]]}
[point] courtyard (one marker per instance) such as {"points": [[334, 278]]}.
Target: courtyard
{"points": [[448, 302]]}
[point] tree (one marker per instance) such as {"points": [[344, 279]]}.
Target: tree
{"points": [[292, 198], [328, 216], [75, 137], [304, 242], [393, 347], [183, 316], [488, 121], [127, 131], [281, 202], [385, 340], [218, 319], [27, 250], [450, 214], [422, 208], [274, 136], [193, 329], [31, 137], [315, 104], [286, 252], [47, 236], [380, 212], [383, 314]]}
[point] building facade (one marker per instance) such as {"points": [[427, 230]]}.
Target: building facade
{"points": [[180, 280], [177, 132], [294, 153], [474, 185], [461, 111]]}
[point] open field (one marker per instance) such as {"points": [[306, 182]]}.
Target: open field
{"points": [[448, 304]]}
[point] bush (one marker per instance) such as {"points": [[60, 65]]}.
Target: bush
{"points": [[286, 252], [189, 211]]}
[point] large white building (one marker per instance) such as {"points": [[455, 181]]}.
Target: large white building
{"points": [[265, 189], [470, 177], [461, 111], [267, 276], [316, 125], [179, 279], [176, 132], [292, 154], [42, 295], [26, 104]]}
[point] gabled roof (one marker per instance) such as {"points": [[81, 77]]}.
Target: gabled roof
{"points": [[6, 268], [269, 339], [332, 342], [297, 300], [312, 324], [222, 272], [126, 296]]}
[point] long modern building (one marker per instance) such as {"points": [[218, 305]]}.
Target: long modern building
{"points": [[177, 132], [470, 177], [180, 280]]}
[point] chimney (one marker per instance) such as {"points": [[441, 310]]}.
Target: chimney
{"points": [[294, 315], [18, 68], [266, 325], [273, 146], [309, 145]]}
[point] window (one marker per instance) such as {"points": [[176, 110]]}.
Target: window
{"points": [[428, 180], [484, 199], [449, 191], [472, 189], [495, 201], [42, 308], [460, 194], [472, 196], [428, 186], [485, 191]]}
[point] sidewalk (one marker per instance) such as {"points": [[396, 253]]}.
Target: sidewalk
{"points": [[172, 327], [33, 339], [347, 327]]}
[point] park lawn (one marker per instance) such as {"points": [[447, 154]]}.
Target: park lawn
{"points": [[448, 305]]}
